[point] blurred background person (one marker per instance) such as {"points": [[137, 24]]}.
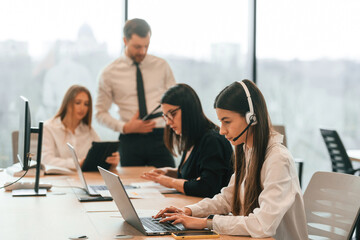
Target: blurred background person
{"points": [[72, 124], [135, 82]]}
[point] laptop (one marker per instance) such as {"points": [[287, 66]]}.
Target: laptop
{"points": [[147, 225], [92, 190]]}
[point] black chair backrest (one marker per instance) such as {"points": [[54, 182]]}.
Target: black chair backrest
{"points": [[339, 158]]}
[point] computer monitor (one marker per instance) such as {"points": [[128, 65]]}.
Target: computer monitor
{"points": [[24, 155]]}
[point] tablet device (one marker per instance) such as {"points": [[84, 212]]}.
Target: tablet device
{"points": [[97, 155], [152, 114]]}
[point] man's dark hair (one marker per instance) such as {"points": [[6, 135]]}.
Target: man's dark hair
{"points": [[138, 26]]}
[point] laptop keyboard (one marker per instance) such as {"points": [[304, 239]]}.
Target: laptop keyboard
{"points": [[98, 187], [154, 225]]}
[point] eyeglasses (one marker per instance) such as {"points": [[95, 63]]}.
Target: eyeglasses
{"points": [[170, 114]]}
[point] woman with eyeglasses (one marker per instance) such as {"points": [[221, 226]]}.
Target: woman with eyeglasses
{"points": [[205, 165]]}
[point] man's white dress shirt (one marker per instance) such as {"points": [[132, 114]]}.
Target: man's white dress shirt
{"points": [[55, 152], [118, 84], [281, 213]]}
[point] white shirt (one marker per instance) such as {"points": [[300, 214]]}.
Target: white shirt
{"points": [[118, 84], [281, 214], [55, 152]]}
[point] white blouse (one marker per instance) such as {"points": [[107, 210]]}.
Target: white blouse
{"points": [[281, 212], [55, 152]]}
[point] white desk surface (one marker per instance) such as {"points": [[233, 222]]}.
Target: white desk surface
{"points": [[60, 215]]}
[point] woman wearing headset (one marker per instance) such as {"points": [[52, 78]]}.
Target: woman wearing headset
{"points": [[264, 195]]}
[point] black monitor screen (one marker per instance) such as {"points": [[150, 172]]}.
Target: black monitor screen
{"points": [[24, 133]]}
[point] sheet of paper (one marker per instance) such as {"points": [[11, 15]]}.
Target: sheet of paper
{"points": [[144, 193], [153, 185]]}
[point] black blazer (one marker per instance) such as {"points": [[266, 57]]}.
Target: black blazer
{"points": [[210, 160]]}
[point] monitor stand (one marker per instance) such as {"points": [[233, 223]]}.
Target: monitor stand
{"points": [[36, 191], [28, 192]]}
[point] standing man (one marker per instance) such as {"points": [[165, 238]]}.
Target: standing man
{"points": [[135, 82]]}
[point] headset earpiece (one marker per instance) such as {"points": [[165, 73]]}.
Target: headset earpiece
{"points": [[249, 116]]}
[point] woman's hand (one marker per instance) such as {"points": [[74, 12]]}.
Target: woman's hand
{"points": [[187, 221], [182, 216], [159, 178], [168, 171], [166, 181], [162, 171], [113, 160], [171, 209]]}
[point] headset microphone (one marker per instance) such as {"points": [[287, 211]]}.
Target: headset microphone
{"points": [[247, 127]]}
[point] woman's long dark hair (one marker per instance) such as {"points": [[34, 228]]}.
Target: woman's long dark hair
{"points": [[194, 123], [233, 98]]}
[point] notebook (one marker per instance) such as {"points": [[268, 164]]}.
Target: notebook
{"points": [[148, 225], [90, 189]]}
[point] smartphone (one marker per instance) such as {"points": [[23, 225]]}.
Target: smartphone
{"points": [[195, 234], [94, 199]]}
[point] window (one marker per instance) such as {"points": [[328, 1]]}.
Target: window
{"points": [[45, 47], [309, 71], [204, 41], [51, 45]]}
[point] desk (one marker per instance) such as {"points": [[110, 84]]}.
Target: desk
{"points": [[354, 155], [60, 215]]}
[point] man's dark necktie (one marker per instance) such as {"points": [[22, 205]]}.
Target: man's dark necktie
{"points": [[140, 91]]}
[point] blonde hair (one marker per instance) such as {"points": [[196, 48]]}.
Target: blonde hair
{"points": [[69, 99]]}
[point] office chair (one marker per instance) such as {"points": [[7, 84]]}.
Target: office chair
{"points": [[332, 205], [281, 129], [339, 159]]}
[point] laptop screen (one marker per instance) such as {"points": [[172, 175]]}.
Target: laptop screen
{"points": [[77, 166]]}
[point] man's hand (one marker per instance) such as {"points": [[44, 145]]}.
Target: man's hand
{"points": [[136, 125]]}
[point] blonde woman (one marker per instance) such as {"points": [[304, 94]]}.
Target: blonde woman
{"points": [[72, 124]]}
